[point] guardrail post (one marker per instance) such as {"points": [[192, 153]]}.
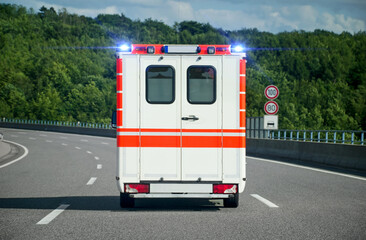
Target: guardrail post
{"points": [[304, 136], [284, 135], [318, 136], [311, 136], [279, 135], [291, 135], [362, 135], [353, 138], [343, 137], [297, 135], [326, 137], [335, 137]]}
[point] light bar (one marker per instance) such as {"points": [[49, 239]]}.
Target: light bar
{"points": [[181, 49], [124, 48], [237, 49]]}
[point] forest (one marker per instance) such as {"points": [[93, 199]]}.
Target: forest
{"points": [[55, 65]]}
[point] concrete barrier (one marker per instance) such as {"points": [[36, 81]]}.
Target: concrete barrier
{"points": [[339, 155], [63, 129]]}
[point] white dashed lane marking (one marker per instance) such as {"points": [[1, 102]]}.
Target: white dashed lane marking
{"points": [[77, 148], [47, 219], [105, 143], [265, 201], [99, 166], [96, 158], [89, 152], [91, 181]]}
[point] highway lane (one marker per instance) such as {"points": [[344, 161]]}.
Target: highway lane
{"points": [[311, 204]]}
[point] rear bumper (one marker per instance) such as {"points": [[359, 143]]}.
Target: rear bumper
{"points": [[185, 195]]}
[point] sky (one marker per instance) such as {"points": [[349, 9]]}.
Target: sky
{"points": [[265, 15]]}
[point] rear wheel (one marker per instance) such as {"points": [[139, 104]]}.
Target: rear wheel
{"points": [[126, 201], [232, 202]]}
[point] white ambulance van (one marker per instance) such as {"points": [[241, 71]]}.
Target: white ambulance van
{"points": [[180, 122]]}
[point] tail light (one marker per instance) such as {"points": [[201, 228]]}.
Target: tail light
{"points": [[137, 188], [225, 188]]}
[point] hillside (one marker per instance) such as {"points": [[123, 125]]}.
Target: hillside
{"points": [[58, 66]]}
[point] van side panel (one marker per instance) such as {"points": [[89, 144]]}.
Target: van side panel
{"points": [[233, 158], [128, 141]]}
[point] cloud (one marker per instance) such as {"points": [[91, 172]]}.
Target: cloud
{"points": [[180, 10], [266, 15], [339, 23]]}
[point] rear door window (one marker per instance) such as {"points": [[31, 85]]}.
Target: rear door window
{"points": [[160, 84], [201, 85]]}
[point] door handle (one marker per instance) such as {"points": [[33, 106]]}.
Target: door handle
{"points": [[190, 117]]}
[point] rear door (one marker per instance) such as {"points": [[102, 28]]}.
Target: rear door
{"points": [[201, 118], [160, 124], [181, 118]]}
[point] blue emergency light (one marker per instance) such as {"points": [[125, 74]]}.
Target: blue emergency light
{"points": [[124, 48], [237, 49]]}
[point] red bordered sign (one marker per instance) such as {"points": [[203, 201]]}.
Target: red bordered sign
{"points": [[271, 107], [271, 92]]}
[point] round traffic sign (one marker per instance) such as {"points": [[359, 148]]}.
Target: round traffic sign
{"points": [[271, 92], [271, 107]]}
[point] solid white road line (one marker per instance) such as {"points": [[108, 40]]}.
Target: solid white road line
{"points": [[47, 219], [309, 168], [77, 148], [265, 201], [96, 158], [89, 152], [19, 158], [105, 143], [99, 166], [91, 181]]}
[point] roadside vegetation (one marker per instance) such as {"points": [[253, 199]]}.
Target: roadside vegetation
{"points": [[58, 66]]}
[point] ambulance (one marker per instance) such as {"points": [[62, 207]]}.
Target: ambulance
{"points": [[180, 122]]}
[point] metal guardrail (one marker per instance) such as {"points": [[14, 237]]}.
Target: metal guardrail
{"points": [[58, 123], [254, 130], [326, 136]]}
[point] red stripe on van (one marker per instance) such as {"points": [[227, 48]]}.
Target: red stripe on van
{"points": [[119, 100], [175, 141], [179, 130], [242, 84], [119, 83], [242, 119], [242, 101]]}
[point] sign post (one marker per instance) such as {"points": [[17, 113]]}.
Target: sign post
{"points": [[271, 108]]}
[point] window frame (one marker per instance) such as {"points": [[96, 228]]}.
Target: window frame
{"points": [[214, 87], [147, 86]]}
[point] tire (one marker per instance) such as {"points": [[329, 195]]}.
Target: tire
{"points": [[126, 201], [232, 202]]}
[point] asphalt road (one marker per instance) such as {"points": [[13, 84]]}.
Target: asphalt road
{"points": [[75, 174]]}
